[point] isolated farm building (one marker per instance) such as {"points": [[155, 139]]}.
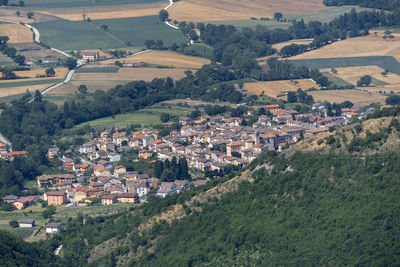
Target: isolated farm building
{"points": [[90, 56], [49, 60], [10, 198], [26, 223], [53, 227]]}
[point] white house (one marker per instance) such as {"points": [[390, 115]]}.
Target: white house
{"points": [[53, 227], [142, 189]]}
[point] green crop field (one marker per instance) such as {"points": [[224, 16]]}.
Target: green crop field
{"points": [[201, 50], [135, 31], [98, 70], [27, 83], [6, 61], [385, 62], [336, 80], [73, 4], [326, 15], [75, 35]]}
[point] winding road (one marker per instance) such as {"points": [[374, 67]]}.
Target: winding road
{"points": [[171, 2]]}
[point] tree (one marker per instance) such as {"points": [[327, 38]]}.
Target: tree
{"points": [[278, 16], [118, 64], [193, 35], [49, 212], [195, 114], [4, 2], [291, 97], [70, 63], [21, 3], [104, 27], [364, 80], [8, 75], [13, 223], [163, 15], [4, 39], [50, 72], [164, 117], [393, 99], [19, 59], [18, 13], [38, 97], [82, 89], [149, 44], [30, 15]]}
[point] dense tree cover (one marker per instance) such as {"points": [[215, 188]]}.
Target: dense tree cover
{"points": [[364, 80], [10, 51], [300, 96], [381, 4], [393, 99], [16, 252], [331, 209]]}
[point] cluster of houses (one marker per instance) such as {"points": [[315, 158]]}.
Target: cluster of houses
{"points": [[8, 155]]}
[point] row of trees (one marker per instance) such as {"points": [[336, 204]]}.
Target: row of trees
{"points": [[381, 4], [10, 51]]}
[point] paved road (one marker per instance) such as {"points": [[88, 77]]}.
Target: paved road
{"points": [[171, 2]]}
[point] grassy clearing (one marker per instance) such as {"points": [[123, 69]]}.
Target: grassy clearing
{"points": [[135, 31], [385, 62], [75, 35]]}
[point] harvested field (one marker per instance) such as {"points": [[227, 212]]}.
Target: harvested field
{"points": [[35, 51], [17, 33], [279, 46], [164, 58], [105, 81], [221, 10], [353, 74], [31, 74], [107, 13], [372, 45], [22, 89], [278, 88], [358, 97]]}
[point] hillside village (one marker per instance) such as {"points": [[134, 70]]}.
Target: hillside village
{"points": [[207, 146]]}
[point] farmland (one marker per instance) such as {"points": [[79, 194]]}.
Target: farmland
{"points": [[32, 74], [101, 81], [384, 62], [278, 88], [16, 89], [353, 74], [65, 4], [164, 58], [34, 50], [366, 46], [6, 61], [222, 10], [279, 46], [107, 13], [358, 97], [16, 32], [135, 31]]}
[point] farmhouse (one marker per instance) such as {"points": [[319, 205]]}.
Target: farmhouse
{"points": [[10, 198], [26, 223], [53, 227], [90, 56]]}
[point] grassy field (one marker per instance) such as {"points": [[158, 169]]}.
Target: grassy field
{"points": [[136, 31], [200, 49], [335, 79], [35, 51], [278, 88], [28, 83], [75, 35], [98, 70], [16, 32], [353, 74], [100, 81], [358, 97], [221, 10], [365, 46], [6, 61], [146, 117], [164, 58], [63, 213], [107, 12], [384, 62]]}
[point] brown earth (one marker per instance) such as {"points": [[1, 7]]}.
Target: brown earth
{"points": [[358, 97], [278, 88]]}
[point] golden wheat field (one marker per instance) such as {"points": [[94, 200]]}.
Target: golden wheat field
{"points": [[8, 91], [372, 45], [358, 97], [30, 75], [277, 88], [17, 33], [107, 13], [164, 58], [353, 74], [220, 10]]}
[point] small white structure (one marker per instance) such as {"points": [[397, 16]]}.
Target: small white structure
{"points": [[53, 227], [26, 223]]}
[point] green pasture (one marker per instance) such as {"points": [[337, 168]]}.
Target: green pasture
{"points": [[336, 80], [135, 31], [28, 83], [98, 70]]}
